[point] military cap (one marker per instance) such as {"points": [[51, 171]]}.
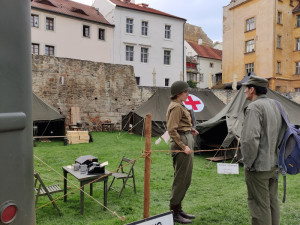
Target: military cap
{"points": [[256, 81], [178, 87]]}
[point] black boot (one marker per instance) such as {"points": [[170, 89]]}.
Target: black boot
{"points": [[177, 217], [185, 215]]}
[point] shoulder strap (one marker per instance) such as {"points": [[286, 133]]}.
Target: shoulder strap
{"points": [[283, 114]]}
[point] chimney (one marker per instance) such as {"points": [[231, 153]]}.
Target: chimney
{"points": [[144, 5], [200, 41]]}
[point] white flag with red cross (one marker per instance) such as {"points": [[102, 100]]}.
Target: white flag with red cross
{"points": [[195, 103]]}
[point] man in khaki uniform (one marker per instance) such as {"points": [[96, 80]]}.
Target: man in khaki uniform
{"points": [[261, 136], [179, 125]]}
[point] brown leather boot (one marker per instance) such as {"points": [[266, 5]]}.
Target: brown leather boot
{"points": [[177, 217], [185, 215]]}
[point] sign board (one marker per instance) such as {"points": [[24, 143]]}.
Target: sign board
{"points": [[228, 168], [162, 219], [195, 103]]}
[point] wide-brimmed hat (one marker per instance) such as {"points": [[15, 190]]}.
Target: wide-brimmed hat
{"points": [[256, 81]]}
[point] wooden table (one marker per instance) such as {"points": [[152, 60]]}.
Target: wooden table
{"points": [[84, 178], [108, 126]]}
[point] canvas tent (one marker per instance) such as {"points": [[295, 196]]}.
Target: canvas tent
{"points": [[46, 120], [223, 129], [157, 105]]}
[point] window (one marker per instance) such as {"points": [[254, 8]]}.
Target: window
{"points": [[144, 55], [297, 89], [201, 77], [167, 31], [145, 28], [192, 77], [278, 41], [249, 68], [297, 44], [49, 50], [167, 57], [167, 81], [211, 65], [35, 49], [277, 88], [298, 21], [137, 79], [49, 23], [279, 17], [250, 46], [250, 24], [297, 68], [129, 25], [101, 34], [278, 68], [129, 53], [34, 20], [86, 31]]}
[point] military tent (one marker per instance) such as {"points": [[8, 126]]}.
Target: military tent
{"points": [[46, 120], [224, 128], [158, 103]]}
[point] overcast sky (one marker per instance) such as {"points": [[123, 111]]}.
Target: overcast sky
{"points": [[207, 14]]}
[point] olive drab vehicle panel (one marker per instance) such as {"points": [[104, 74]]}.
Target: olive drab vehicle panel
{"points": [[16, 150]]}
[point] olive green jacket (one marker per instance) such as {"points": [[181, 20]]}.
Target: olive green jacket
{"points": [[262, 133], [178, 120]]}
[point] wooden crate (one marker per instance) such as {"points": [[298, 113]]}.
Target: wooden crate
{"points": [[78, 137]]}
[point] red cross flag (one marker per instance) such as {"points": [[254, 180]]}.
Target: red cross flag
{"points": [[195, 103]]}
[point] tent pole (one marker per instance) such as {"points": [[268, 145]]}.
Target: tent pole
{"points": [[147, 166]]}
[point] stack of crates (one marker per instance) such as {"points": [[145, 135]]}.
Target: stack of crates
{"points": [[78, 137]]}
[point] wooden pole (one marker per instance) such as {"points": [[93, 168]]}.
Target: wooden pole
{"points": [[147, 166]]}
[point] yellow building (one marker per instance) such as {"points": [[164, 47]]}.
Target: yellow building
{"points": [[263, 36]]}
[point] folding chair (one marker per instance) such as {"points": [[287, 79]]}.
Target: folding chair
{"points": [[124, 175], [42, 190]]}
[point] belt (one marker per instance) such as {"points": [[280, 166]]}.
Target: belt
{"points": [[184, 132]]}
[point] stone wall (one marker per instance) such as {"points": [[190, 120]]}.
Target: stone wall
{"points": [[101, 91]]}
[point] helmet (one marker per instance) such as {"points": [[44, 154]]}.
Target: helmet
{"points": [[179, 87]]}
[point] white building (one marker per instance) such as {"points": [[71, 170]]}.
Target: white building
{"points": [[69, 29], [209, 64], [150, 40]]}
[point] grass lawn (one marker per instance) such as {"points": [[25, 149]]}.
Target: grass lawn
{"points": [[213, 198]]}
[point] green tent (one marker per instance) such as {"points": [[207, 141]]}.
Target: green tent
{"points": [[223, 129], [46, 120], [157, 105]]}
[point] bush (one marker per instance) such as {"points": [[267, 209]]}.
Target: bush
{"points": [[192, 84]]}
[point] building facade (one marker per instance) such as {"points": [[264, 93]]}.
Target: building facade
{"points": [[69, 29], [263, 36], [209, 64], [150, 40]]}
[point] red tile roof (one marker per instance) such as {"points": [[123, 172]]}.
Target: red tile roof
{"points": [[70, 8], [297, 8], [206, 52], [142, 7]]}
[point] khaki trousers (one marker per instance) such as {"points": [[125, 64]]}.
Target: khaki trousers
{"points": [[183, 167], [263, 197]]}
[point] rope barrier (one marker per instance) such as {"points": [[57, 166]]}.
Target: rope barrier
{"points": [[207, 150]]}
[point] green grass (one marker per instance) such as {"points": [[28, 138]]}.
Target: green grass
{"points": [[213, 198]]}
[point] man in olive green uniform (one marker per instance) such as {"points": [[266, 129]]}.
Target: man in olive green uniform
{"points": [[179, 125], [261, 136]]}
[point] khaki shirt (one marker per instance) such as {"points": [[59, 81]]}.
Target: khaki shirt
{"points": [[262, 133], [178, 120]]}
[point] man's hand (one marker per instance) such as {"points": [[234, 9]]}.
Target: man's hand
{"points": [[194, 132], [187, 150]]}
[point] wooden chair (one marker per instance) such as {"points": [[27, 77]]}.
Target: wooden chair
{"points": [[124, 175], [43, 190]]}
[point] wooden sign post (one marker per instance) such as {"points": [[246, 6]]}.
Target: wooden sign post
{"points": [[148, 129]]}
